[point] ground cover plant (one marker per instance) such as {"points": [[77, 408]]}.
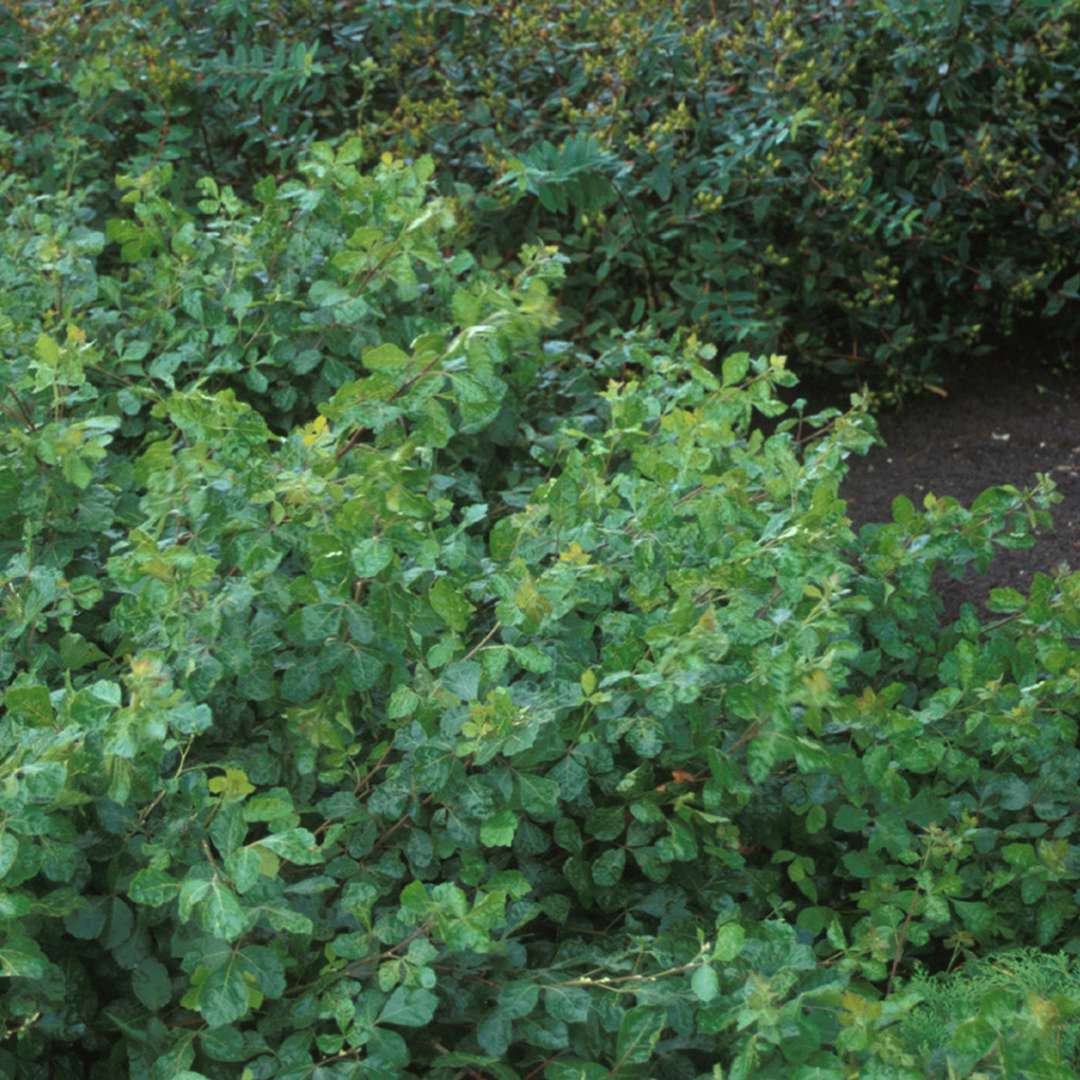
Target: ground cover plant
{"points": [[398, 682]]}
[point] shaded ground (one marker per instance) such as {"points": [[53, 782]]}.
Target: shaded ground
{"points": [[998, 425]]}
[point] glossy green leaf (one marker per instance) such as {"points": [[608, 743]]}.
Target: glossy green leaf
{"points": [[705, 983], [151, 984], [325, 293], [607, 870], [570, 1004], [409, 1008], [450, 605], [370, 557], [498, 830], [639, 1032], [296, 845], [220, 913]]}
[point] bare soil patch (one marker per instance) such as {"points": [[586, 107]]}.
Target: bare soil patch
{"points": [[1000, 424]]}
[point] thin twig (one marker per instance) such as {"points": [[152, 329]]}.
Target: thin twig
{"points": [[403, 820], [483, 641]]}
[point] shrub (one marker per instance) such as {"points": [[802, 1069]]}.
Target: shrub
{"points": [[342, 751], [1007, 1001], [92, 90], [394, 689], [872, 191]]}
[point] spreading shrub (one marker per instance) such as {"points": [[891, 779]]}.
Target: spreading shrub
{"points": [[340, 750], [406, 674], [1009, 990], [872, 189]]}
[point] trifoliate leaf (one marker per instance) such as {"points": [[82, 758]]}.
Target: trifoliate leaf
{"points": [[498, 830]]}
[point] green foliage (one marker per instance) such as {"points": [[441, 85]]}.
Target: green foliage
{"points": [[874, 189], [628, 757], [393, 689], [871, 189], [91, 90], [996, 1013]]}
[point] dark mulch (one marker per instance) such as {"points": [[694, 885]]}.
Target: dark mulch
{"points": [[1000, 424]]}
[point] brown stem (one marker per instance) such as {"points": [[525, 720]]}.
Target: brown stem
{"points": [[366, 778], [403, 820], [480, 644], [22, 408], [747, 735], [901, 941]]}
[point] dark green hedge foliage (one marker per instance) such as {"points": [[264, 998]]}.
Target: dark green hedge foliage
{"points": [[873, 189]]}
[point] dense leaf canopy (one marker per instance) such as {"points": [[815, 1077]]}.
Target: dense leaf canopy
{"points": [[426, 652]]}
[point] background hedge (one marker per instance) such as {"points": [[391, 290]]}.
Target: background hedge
{"points": [[872, 191]]}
